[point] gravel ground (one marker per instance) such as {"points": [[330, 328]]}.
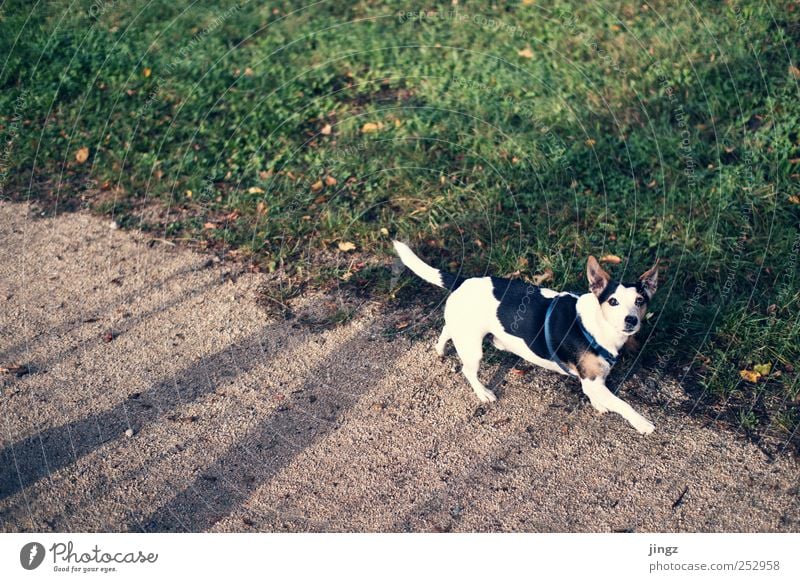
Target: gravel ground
{"points": [[161, 397]]}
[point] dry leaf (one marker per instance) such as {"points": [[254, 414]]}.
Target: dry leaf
{"points": [[385, 231], [794, 199], [330, 181], [248, 72], [188, 193], [346, 246], [370, 127], [209, 226], [750, 376], [261, 208], [763, 369], [255, 190], [794, 72], [612, 259], [590, 142], [316, 186], [146, 72], [326, 130], [526, 53], [82, 155], [544, 277]]}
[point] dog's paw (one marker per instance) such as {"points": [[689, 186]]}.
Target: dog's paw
{"points": [[643, 426], [486, 396]]}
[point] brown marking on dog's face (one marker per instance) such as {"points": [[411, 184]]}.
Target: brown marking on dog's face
{"points": [[591, 366]]}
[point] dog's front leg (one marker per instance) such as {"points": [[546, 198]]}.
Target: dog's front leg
{"points": [[604, 401]]}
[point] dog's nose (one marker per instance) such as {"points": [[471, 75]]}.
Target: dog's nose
{"points": [[631, 320]]}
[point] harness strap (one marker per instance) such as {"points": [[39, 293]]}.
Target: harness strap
{"points": [[548, 338]]}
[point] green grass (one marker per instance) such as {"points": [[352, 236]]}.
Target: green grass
{"points": [[640, 130]]}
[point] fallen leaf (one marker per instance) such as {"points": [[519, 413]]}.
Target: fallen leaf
{"points": [[543, 277], [370, 127], [763, 369], [316, 186], [590, 142], [188, 193], [401, 325], [794, 199], [750, 376], [526, 53], [255, 190], [209, 226], [330, 181], [248, 72], [146, 72], [326, 130], [16, 369], [107, 336], [397, 123], [261, 208], [794, 72], [346, 246], [612, 259], [385, 231], [82, 155], [518, 371]]}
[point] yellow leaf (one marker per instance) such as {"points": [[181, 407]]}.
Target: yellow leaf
{"points": [[261, 208], [255, 190], [385, 231], [326, 130], [82, 155], [189, 193], [346, 246], [248, 72], [794, 199], [750, 376], [613, 259], [763, 369], [370, 127], [590, 142], [526, 53], [316, 186], [146, 72]]}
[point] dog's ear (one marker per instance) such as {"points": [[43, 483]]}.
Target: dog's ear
{"points": [[598, 278], [649, 280]]}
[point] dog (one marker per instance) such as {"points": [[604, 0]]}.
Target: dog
{"points": [[575, 335]]}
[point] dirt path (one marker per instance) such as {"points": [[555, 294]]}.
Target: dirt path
{"points": [[243, 423]]}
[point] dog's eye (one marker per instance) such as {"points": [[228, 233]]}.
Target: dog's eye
{"points": [[640, 301], [613, 302]]}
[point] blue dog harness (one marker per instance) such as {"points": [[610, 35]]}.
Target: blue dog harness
{"points": [[548, 338]]}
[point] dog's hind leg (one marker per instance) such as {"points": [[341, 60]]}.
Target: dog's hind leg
{"points": [[442, 341], [470, 350]]}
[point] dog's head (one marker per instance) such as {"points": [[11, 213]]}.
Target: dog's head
{"points": [[623, 305]]}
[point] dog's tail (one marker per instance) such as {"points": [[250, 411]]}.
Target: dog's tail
{"points": [[425, 271]]}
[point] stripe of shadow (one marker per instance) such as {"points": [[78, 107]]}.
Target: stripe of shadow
{"points": [[16, 351], [51, 449], [312, 412]]}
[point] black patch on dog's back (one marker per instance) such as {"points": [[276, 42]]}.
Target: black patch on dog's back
{"points": [[522, 312]]}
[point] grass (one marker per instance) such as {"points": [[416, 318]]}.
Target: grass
{"points": [[510, 138]]}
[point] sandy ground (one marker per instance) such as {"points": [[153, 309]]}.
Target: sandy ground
{"points": [[246, 423]]}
